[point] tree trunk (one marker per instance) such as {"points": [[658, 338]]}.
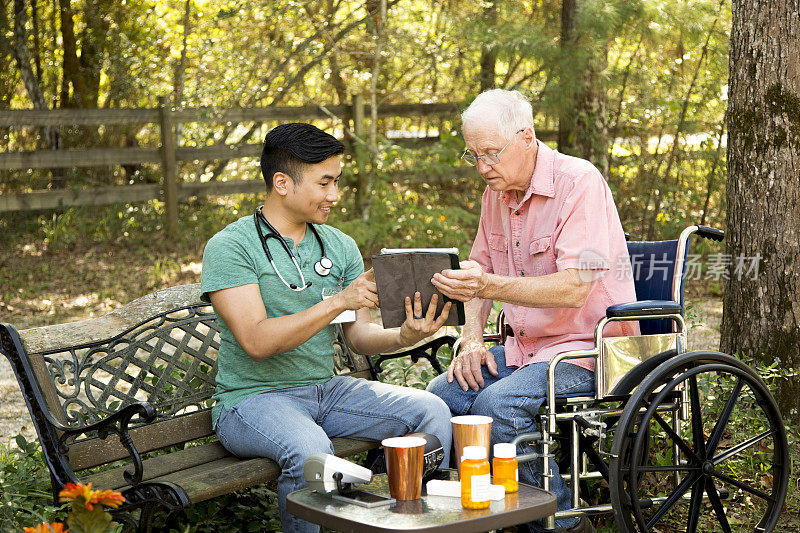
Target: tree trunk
{"points": [[180, 67], [94, 40], [71, 64], [566, 122], [8, 82], [489, 50], [37, 50], [582, 125], [364, 186], [761, 315]]}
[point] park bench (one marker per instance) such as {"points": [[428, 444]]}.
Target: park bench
{"points": [[145, 373]]}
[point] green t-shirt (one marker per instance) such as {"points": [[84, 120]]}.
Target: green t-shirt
{"points": [[235, 257]]}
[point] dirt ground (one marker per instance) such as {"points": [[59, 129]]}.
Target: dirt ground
{"points": [[703, 334]]}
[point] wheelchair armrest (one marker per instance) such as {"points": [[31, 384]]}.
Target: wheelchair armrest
{"points": [[648, 308], [710, 233]]}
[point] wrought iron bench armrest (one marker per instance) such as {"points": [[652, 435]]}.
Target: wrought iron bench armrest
{"points": [[11, 345], [424, 351], [116, 423]]}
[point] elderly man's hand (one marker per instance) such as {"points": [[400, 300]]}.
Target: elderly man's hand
{"points": [[462, 285], [466, 366]]}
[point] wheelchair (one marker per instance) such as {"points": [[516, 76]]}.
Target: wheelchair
{"points": [[671, 440]]}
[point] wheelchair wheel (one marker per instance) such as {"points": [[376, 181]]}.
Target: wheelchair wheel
{"points": [[718, 458]]}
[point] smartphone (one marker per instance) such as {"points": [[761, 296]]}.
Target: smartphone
{"points": [[363, 498]]}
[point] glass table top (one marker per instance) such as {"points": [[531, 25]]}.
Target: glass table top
{"points": [[429, 513]]}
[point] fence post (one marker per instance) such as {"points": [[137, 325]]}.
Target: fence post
{"points": [[168, 159], [359, 129]]}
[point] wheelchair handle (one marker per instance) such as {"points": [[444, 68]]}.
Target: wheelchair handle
{"points": [[527, 437], [710, 233]]}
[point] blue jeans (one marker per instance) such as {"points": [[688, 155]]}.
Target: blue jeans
{"points": [[513, 400], [289, 425]]}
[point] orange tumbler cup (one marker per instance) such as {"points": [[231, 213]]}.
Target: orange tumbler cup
{"points": [[471, 430], [404, 459]]}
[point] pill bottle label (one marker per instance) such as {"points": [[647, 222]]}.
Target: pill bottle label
{"points": [[480, 488]]}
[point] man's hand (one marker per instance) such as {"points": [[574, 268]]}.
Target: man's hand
{"points": [[462, 285], [466, 366], [417, 327], [363, 292]]}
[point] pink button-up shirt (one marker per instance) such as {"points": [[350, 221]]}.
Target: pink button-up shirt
{"points": [[567, 219]]}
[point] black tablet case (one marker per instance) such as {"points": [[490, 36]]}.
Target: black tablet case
{"points": [[402, 274]]}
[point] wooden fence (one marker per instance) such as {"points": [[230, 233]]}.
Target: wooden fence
{"points": [[169, 152]]}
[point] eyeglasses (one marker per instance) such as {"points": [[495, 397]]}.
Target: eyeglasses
{"points": [[488, 159]]}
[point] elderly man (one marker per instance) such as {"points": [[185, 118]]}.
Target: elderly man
{"points": [[551, 248]]}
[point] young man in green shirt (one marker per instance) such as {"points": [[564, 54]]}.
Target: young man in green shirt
{"points": [[277, 395]]}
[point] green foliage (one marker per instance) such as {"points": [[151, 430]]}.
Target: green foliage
{"points": [[251, 510], [25, 495], [82, 520]]}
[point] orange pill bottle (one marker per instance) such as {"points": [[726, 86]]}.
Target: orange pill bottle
{"points": [[475, 478], [505, 467]]}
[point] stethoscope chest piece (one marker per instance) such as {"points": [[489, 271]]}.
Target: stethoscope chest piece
{"points": [[323, 266]]}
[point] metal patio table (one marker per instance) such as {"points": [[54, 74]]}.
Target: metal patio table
{"points": [[429, 513]]}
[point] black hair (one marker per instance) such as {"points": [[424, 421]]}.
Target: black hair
{"points": [[289, 147]]}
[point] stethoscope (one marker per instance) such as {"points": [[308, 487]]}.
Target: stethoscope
{"points": [[321, 267]]}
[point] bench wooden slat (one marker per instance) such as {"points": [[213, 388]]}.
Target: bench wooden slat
{"points": [[210, 470], [230, 474], [361, 366], [94, 452], [223, 476], [48, 389], [161, 465]]}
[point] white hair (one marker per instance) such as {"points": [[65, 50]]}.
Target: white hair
{"points": [[507, 111]]}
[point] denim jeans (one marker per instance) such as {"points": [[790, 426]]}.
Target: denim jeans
{"points": [[289, 425], [513, 400]]}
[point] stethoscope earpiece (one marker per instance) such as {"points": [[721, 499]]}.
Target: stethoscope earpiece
{"points": [[321, 267]]}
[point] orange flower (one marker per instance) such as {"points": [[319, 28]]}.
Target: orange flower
{"points": [[109, 498], [55, 527], [72, 492], [90, 497]]}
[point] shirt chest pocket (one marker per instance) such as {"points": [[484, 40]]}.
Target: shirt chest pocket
{"points": [[498, 253], [542, 257]]}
